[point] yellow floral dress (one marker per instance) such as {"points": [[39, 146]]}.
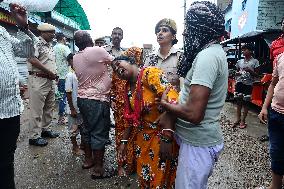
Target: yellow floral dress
{"points": [[151, 171], [120, 123], [117, 94]]}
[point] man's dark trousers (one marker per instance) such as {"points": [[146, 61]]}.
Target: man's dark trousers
{"points": [[10, 129]]}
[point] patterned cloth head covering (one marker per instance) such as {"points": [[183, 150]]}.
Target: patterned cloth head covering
{"points": [[135, 53], [166, 22], [204, 24]]}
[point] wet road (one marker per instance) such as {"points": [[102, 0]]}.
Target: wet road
{"points": [[244, 162]]}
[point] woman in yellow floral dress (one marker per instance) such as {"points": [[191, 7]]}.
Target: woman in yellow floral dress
{"points": [[143, 88], [117, 90]]}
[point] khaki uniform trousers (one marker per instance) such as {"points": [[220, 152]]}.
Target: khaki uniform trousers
{"points": [[41, 102]]}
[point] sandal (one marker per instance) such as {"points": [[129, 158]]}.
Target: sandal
{"points": [[243, 125]]}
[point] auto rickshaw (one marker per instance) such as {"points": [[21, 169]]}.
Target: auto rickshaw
{"points": [[261, 39]]}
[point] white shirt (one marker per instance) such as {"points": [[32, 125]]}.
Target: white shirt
{"points": [[71, 85], [22, 46], [61, 53], [245, 77]]}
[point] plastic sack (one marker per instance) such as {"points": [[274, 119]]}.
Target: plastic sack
{"points": [[35, 5]]}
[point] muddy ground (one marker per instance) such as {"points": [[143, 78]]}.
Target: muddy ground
{"points": [[243, 164]]}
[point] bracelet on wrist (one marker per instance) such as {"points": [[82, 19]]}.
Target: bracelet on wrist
{"points": [[168, 132], [123, 141], [166, 140]]}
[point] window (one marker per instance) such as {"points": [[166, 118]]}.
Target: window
{"points": [[244, 3]]}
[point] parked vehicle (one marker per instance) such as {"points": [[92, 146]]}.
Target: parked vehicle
{"points": [[262, 41]]}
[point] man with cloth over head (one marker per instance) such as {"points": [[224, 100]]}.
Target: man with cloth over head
{"points": [[195, 119], [41, 85]]}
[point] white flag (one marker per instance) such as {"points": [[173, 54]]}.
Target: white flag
{"points": [[35, 5]]}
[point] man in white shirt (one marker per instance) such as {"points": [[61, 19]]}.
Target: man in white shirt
{"points": [[244, 85], [61, 51]]}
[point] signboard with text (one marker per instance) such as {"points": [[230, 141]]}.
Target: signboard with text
{"points": [[65, 20], [244, 18]]}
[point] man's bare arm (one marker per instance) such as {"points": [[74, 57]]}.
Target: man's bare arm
{"points": [[194, 109], [36, 63]]}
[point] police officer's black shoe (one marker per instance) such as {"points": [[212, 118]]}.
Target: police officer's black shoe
{"points": [[49, 134], [38, 142]]}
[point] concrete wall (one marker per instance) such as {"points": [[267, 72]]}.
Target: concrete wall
{"points": [[228, 19], [270, 12], [222, 4]]}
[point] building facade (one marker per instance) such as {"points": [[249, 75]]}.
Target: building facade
{"points": [[243, 16], [222, 4], [270, 13], [63, 24]]}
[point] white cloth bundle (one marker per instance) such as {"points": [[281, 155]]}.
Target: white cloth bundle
{"points": [[35, 5]]}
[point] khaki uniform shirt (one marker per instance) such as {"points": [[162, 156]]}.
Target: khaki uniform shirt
{"points": [[45, 54], [168, 64], [115, 53]]}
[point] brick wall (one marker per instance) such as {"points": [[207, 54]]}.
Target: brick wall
{"points": [[270, 12]]}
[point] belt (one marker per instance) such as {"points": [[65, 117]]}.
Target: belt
{"points": [[40, 74]]}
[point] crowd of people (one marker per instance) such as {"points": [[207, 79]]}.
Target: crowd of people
{"points": [[166, 106]]}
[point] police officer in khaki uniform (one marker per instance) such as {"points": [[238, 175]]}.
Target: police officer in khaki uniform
{"points": [[116, 37], [167, 57], [41, 85], [100, 42], [114, 48]]}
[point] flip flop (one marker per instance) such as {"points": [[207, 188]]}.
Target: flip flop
{"points": [[243, 126]]}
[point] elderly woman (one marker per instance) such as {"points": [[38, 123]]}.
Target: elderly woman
{"points": [[143, 88], [167, 57], [128, 166]]}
